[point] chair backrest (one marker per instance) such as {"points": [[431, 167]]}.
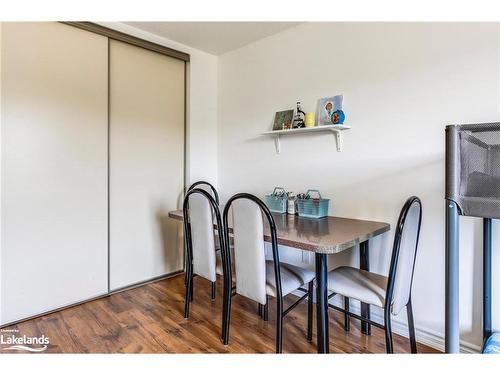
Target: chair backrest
{"points": [[200, 209], [208, 187], [249, 249], [404, 254]]}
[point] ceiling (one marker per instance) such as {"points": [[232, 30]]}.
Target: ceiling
{"points": [[214, 37]]}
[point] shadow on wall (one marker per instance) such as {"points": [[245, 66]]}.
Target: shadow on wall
{"points": [[172, 239]]}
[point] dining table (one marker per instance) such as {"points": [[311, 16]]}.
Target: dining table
{"points": [[323, 237]]}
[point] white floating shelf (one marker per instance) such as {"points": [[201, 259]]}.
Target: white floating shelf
{"points": [[335, 129]]}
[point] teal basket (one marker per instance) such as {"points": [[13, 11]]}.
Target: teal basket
{"points": [[313, 207], [275, 203]]}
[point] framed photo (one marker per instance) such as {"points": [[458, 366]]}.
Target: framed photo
{"points": [[283, 120], [330, 110]]}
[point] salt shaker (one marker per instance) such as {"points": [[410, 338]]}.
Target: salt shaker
{"points": [[291, 203]]}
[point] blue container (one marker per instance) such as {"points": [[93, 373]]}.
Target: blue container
{"points": [[275, 203], [313, 207]]}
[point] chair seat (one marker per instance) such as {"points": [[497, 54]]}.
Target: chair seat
{"points": [[361, 285], [292, 278]]}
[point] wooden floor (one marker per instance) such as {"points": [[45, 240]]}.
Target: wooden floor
{"points": [[149, 319]]}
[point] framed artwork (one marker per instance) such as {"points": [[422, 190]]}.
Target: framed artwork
{"points": [[330, 110], [283, 120]]}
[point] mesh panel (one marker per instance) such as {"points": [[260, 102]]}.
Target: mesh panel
{"points": [[473, 154]]}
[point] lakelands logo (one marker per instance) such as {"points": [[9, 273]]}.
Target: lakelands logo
{"points": [[11, 340]]}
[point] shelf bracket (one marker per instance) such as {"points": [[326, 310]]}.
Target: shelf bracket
{"points": [[338, 137], [277, 144]]}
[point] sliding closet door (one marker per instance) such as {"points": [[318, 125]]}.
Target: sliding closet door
{"points": [[146, 163], [54, 168]]}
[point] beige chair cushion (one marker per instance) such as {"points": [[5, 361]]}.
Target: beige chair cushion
{"points": [[406, 259], [249, 250], [202, 236], [361, 285], [292, 278]]}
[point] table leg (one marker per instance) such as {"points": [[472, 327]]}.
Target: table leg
{"points": [[364, 264], [322, 303], [487, 237], [452, 328]]}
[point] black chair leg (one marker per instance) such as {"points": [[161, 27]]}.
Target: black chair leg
{"points": [[411, 327], [213, 290], [279, 325], [191, 287], [189, 290], [388, 332], [310, 311], [226, 315], [261, 310], [265, 310], [347, 320]]}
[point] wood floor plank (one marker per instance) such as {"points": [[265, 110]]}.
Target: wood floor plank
{"points": [[150, 319]]}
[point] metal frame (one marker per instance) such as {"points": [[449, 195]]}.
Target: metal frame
{"points": [[263, 309], [189, 245], [452, 322], [452, 329], [453, 213], [390, 286], [216, 197], [214, 191], [487, 285]]}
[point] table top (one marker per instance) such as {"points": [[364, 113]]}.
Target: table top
{"points": [[328, 235]]}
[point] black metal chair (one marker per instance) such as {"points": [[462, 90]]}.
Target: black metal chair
{"points": [[209, 188], [256, 277], [200, 208], [391, 293]]}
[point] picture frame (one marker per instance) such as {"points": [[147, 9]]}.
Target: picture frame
{"points": [[283, 119], [330, 110]]}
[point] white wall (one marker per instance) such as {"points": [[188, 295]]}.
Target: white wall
{"points": [[201, 146], [402, 83]]}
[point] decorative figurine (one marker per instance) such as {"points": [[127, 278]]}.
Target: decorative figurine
{"points": [[338, 117], [298, 121], [330, 110]]}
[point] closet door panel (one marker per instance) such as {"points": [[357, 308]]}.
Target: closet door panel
{"points": [[54, 168], [146, 163]]}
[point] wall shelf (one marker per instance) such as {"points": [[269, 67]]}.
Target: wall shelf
{"points": [[335, 129]]}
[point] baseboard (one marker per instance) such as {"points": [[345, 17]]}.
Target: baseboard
{"points": [[145, 282]]}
